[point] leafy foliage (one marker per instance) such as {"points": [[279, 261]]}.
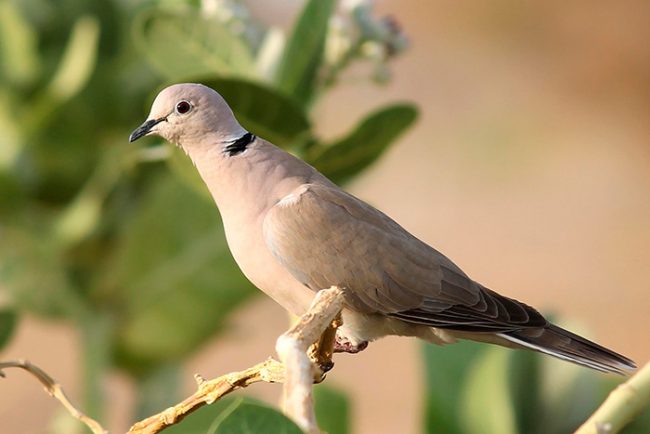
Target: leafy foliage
{"points": [[332, 409], [185, 43], [8, 321], [246, 416], [302, 57], [446, 369], [236, 415], [127, 245], [279, 119], [487, 387], [359, 149], [480, 388], [33, 272], [200, 421], [186, 277], [99, 233]]}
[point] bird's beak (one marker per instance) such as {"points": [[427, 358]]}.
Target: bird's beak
{"points": [[144, 129]]}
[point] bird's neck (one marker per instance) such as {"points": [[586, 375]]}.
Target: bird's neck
{"points": [[248, 175], [238, 145]]}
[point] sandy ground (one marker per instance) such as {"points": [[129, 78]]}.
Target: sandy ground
{"points": [[529, 167]]}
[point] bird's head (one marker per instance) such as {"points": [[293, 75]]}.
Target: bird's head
{"points": [[185, 114]]}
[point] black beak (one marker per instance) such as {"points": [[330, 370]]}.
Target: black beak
{"points": [[144, 129]]}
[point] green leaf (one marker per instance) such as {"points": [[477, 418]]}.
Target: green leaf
{"points": [[332, 409], [33, 272], [524, 382], [11, 140], [570, 393], [549, 396], [95, 330], [199, 422], [19, 61], [184, 43], [172, 276], [82, 215], [485, 402], [71, 75], [78, 61], [350, 155], [12, 199], [302, 57], [446, 369], [264, 111], [246, 416], [159, 388], [8, 321]]}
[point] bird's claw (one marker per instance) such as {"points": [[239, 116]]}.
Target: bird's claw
{"points": [[345, 346]]}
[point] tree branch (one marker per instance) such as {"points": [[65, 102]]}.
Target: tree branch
{"points": [[306, 352], [622, 405], [318, 325], [269, 371], [299, 371], [316, 331], [55, 390]]}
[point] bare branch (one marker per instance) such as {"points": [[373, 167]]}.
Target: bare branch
{"points": [[269, 371], [55, 390], [321, 352], [315, 330], [317, 325], [622, 405]]}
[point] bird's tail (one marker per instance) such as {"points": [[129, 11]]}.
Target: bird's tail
{"points": [[563, 344]]}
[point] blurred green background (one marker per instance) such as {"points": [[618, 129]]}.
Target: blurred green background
{"points": [[531, 144]]}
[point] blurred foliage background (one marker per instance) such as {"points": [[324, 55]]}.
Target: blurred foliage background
{"points": [[90, 226]]}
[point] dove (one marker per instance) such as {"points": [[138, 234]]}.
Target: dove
{"points": [[294, 232]]}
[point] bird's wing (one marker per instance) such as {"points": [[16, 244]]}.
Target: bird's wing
{"points": [[324, 237]]}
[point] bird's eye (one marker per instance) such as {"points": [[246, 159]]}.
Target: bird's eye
{"points": [[183, 107]]}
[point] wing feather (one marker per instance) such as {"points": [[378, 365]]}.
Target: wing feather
{"points": [[325, 237]]}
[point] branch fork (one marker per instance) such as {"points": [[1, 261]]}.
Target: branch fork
{"points": [[305, 352], [314, 332]]}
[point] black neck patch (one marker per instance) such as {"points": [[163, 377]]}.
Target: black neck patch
{"points": [[239, 145]]}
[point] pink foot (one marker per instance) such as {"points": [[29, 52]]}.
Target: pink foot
{"points": [[345, 346]]}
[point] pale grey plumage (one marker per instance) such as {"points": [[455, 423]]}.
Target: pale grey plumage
{"points": [[292, 232]]}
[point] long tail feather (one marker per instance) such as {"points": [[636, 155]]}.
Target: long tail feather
{"points": [[563, 344]]}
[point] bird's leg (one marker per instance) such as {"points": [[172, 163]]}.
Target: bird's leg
{"points": [[343, 345]]}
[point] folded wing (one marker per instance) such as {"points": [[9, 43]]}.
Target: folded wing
{"points": [[325, 237]]}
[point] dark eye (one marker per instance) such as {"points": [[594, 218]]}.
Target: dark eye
{"points": [[183, 107]]}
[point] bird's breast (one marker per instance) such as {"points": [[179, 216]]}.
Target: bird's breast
{"points": [[246, 242]]}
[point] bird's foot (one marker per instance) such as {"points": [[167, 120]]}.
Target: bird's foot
{"points": [[326, 366], [321, 371], [345, 346]]}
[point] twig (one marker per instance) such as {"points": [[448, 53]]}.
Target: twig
{"points": [[316, 328], [269, 371], [55, 390], [292, 346], [622, 405]]}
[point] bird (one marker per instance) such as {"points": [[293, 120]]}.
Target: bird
{"points": [[294, 232]]}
